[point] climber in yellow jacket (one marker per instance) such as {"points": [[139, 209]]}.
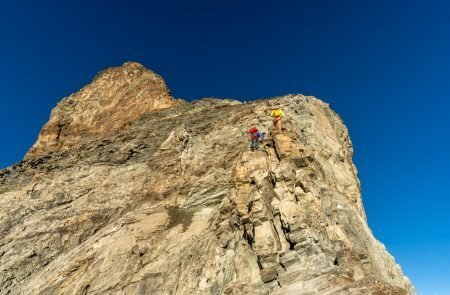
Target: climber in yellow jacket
{"points": [[277, 114]]}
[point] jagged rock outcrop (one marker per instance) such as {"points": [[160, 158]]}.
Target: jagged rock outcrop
{"points": [[116, 97], [175, 203]]}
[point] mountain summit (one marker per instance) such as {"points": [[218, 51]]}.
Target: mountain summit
{"points": [[129, 191], [116, 97]]}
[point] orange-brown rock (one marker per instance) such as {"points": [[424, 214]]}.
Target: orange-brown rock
{"points": [[115, 97]]}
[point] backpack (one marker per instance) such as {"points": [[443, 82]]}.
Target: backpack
{"points": [[258, 135], [253, 130]]}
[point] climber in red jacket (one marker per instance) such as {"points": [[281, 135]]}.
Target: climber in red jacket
{"points": [[255, 136]]}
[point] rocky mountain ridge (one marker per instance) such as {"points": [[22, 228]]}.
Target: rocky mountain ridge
{"points": [[129, 191]]}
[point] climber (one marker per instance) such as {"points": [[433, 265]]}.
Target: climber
{"points": [[277, 114], [255, 136]]}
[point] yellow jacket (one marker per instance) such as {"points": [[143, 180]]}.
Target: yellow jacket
{"points": [[277, 113]]}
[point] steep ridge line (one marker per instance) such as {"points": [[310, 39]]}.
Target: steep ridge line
{"points": [[173, 203], [286, 244]]}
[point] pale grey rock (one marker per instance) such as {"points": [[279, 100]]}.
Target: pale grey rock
{"points": [[175, 203]]}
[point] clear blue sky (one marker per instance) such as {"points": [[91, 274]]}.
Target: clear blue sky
{"points": [[384, 66]]}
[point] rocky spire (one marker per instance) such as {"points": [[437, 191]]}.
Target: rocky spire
{"points": [[115, 97]]}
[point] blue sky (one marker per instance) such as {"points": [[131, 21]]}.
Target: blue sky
{"points": [[384, 66]]}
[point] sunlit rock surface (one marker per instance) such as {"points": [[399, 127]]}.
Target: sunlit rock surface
{"points": [[116, 97], [128, 191]]}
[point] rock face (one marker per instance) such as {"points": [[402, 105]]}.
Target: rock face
{"points": [[116, 97], [128, 192]]}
